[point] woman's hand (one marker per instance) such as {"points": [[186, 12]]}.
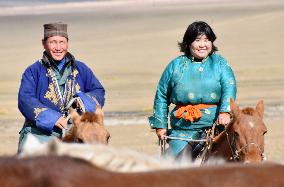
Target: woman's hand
{"points": [[224, 118], [161, 133]]}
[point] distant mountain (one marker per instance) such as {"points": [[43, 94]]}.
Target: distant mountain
{"points": [[7, 3]]}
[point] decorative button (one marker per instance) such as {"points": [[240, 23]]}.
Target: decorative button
{"points": [[200, 69], [207, 111], [191, 95], [232, 82], [213, 95]]}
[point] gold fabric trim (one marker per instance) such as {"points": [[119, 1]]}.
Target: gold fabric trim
{"points": [[51, 94], [75, 73], [37, 111], [69, 90], [77, 87], [95, 100]]}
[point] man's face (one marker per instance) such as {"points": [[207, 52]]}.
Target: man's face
{"points": [[56, 47]]}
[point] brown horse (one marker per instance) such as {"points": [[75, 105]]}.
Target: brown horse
{"points": [[52, 171], [88, 128], [243, 138]]}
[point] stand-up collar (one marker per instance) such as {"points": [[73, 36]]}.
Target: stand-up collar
{"points": [[49, 61]]}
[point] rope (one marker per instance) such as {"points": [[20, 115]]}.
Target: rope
{"points": [[162, 144], [186, 139], [207, 147]]}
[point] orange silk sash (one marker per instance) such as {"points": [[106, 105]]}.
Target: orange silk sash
{"points": [[193, 112]]}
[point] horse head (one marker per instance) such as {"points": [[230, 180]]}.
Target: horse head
{"points": [[247, 132], [88, 128]]}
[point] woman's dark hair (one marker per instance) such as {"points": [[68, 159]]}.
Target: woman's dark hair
{"points": [[194, 30]]}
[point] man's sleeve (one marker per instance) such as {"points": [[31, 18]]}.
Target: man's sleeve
{"points": [[94, 92], [32, 109]]}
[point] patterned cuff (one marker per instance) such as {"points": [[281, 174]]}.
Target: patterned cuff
{"points": [[47, 119], [89, 102], [156, 123]]}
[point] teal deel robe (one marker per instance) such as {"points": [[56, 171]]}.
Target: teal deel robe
{"points": [[185, 82]]}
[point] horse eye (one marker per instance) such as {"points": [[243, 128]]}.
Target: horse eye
{"points": [[236, 134], [80, 140]]}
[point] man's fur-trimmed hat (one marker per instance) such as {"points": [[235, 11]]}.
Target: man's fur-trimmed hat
{"points": [[55, 29]]}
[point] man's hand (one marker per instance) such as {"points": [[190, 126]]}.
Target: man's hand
{"points": [[161, 133], [61, 123]]}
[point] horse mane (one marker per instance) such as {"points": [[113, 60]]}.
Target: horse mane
{"points": [[110, 158], [248, 111], [89, 127], [89, 117], [65, 171]]}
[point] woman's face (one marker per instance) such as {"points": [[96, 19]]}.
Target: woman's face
{"points": [[201, 47]]}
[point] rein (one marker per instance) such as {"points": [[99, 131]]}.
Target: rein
{"points": [[207, 147], [80, 107], [186, 139], [210, 139], [236, 152], [162, 142]]}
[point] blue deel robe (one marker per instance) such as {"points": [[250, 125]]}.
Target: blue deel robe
{"points": [[185, 82], [39, 100]]}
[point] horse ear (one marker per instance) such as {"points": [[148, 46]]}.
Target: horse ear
{"points": [[75, 116], [99, 116], [235, 109], [260, 108]]}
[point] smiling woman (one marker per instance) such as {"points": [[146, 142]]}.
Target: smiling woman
{"points": [[200, 84]]}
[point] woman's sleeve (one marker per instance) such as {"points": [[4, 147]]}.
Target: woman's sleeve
{"points": [[32, 109], [228, 84], [159, 119]]}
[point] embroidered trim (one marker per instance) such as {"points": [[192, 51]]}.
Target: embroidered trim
{"points": [[51, 94], [75, 73], [77, 87], [68, 91], [54, 94], [37, 111], [95, 100]]}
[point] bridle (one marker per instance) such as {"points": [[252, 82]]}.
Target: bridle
{"points": [[236, 152], [80, 108]]}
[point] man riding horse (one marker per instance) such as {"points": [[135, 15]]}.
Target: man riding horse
{"points": [[49, 84]]}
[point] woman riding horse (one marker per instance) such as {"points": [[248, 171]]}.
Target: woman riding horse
{"points": [[200, 84]]}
